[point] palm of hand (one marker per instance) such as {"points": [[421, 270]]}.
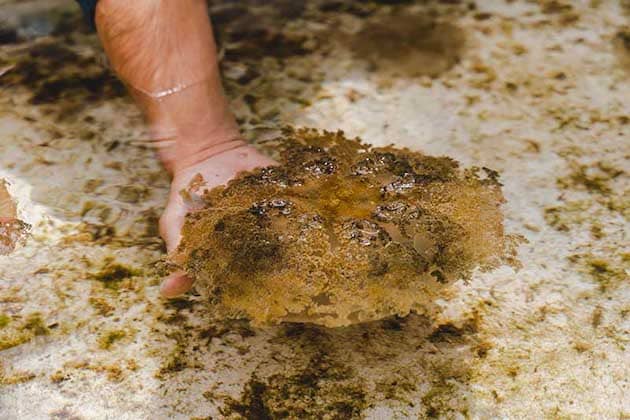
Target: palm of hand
{"points": [[216, 170]]}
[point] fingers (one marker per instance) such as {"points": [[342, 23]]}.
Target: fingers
{"points": [[171, 223], [176, 284], [215, 171], [170, 227]]}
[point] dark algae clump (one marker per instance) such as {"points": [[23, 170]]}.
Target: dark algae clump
{"points": [[341, 232], [113, 273], [408, 45], [61, 80], [323, 386]]}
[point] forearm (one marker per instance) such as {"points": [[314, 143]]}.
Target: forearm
{"points": [[165, 52]]}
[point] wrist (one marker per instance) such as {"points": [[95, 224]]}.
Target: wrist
{"points": [[190, 125], [181, 154]]}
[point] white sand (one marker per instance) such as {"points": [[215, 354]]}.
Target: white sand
{"points": [[554, 341]]}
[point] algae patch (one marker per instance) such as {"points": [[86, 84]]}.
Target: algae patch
{"points": [[621, 43], [608, 272], [341, 233], [327, 386], [421, 369], [112, 274], [12, 378], [109, 338], [408, 45], [595, 178], [61, 81], [15, 332]]}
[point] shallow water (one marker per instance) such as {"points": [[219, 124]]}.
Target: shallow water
{"points": [[538, 91]]}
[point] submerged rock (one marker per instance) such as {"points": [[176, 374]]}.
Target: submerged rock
{"points": [[341, 233], [12, 231], [8, 209]]}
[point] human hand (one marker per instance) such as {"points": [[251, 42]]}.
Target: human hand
{"points": [[166, 54], [215, 170]]}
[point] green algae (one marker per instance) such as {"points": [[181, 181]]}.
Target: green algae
{"points": [[329, 365], [436, 400], [621, 43], [322, 389], [608, 273], [4, 320], [562, 217], [113, 273], [17, 333], [594, 178], [409, 45], [101, 305], [178, 358], [109, 338], [14, 377], [176, 362], [450, 332], [605, 273], [35, 324], [62, 81]]}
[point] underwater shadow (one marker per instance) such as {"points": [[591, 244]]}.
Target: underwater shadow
{"points": [[405, 367]]}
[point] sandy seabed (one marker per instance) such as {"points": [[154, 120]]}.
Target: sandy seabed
{"points": [[535, 90]]}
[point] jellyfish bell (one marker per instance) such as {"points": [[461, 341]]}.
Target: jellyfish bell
{"points": [[340, 233]]}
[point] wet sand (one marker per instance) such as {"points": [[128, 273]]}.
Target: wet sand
{"points": [[536, 91]]}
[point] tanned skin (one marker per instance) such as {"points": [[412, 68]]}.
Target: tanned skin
{"points": [[165, 53]]}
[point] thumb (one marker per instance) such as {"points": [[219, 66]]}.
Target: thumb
{"points": [[172, 221], [175, 284], [171, 224]]}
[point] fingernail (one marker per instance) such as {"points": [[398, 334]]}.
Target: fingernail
{"points": [[175, 285]]}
